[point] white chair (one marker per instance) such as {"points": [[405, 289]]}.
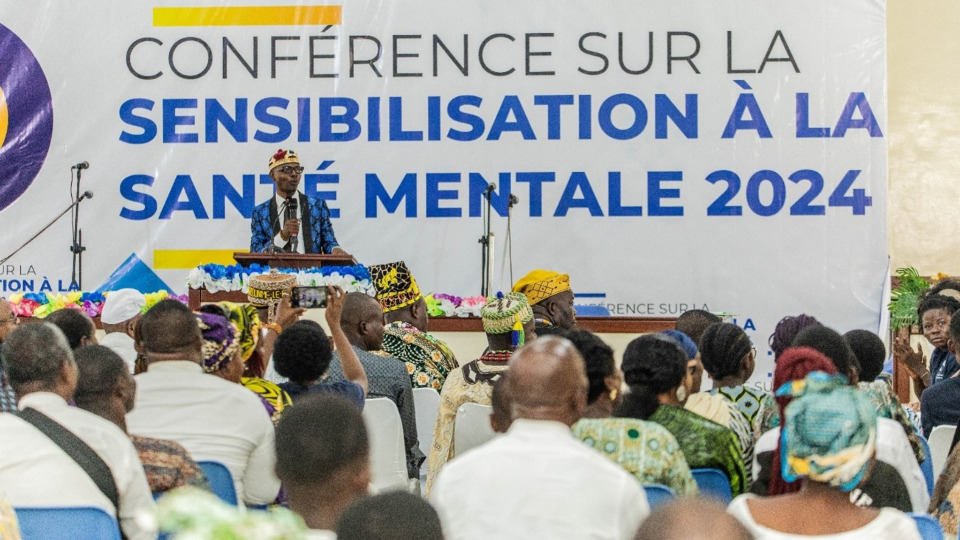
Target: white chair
{"points": [[426, 401], [472, 427], [388, 459], [940, 439]]}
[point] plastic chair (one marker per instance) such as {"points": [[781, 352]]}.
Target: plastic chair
{"points": [[929, 527], [939, 440], [658, 495], [388, 458], [67, 523], [472, 427], [221, 481], [927, 466], [426, 401], [713, 483]]}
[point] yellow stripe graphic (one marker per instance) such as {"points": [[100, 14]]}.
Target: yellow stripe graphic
{"points": [[247, 16], [177, 259]]}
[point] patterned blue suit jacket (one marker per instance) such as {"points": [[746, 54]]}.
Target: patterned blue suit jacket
{"points": [[318, 234]]}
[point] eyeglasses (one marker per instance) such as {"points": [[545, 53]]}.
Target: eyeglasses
{"points": [[290, 169]]}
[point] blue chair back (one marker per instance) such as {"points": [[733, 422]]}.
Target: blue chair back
{"points": [[67, 523], [221, 481], [714, 484], [929, 527], [658, 495], [927, 465]]}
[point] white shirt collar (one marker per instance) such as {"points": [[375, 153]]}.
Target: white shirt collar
{"points": [[174, 365], [42, 400]]}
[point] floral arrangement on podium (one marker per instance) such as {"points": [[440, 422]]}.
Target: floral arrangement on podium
{"points": [[39, 305], [219, 278], [446, 305]]}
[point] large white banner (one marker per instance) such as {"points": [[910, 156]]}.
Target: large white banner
{"points": [[668, 155]]}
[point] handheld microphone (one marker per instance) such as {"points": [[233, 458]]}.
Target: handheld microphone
{"points": [[81, 166], [292, 214]]}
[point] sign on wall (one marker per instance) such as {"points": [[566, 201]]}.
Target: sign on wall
{"points": [[727, 155]]}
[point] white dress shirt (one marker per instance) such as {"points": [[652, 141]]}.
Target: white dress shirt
{"points": [[893, 448], [537, 481], [122, 344], [34, 471], [281, 217], [214, 419]]}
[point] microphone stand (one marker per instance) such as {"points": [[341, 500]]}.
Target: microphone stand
{"points": [[486, 245], [76, 247], [74, 204]]}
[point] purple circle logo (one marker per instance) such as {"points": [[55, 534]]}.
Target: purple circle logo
{"points": [[26, 117]]}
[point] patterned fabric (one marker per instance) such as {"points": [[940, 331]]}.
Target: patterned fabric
{"points": [[503, 314], [829, 433], [386, 377], [220, 343], [881, 394], [473, 383], [247, 320], [8, 400], [726, 413], [645, 449], [946, 483], [428, 359], [282, 157], [539, 285], [757, 406], [395, 285], [947, 512], [318, 234], [274, 398], [168, 465], [705, 444]]}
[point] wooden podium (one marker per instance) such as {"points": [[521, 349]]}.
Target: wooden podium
{"points": [[274, 260], [293, 260]]}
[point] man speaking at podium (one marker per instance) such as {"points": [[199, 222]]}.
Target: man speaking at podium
{"points": [[290, 221]]}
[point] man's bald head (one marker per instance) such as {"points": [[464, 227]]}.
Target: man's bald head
{"points": [[675, 521], [548, 381], [8, 321], [362, 321]]}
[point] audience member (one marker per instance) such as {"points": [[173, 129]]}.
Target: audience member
{"points": [[396, 515], [120, 314], [654, 367], [729, 358], [501, 414], [716, 408], [323, 459], [8, 321], [76, 325], [537, 481], [871, 354], [302, 354], [692, 323], [550, 298], [247, 322], [36, 467], [893, 447], [215, 420], [508, 323], [106, 388], [362, 323], [934, 313], [222, 356], [692, 519], [940, 404], [645, 449], [830, 435], [405, 336], [786, 330]]}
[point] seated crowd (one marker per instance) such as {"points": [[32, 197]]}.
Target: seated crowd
{"points": [[581, 439]]}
